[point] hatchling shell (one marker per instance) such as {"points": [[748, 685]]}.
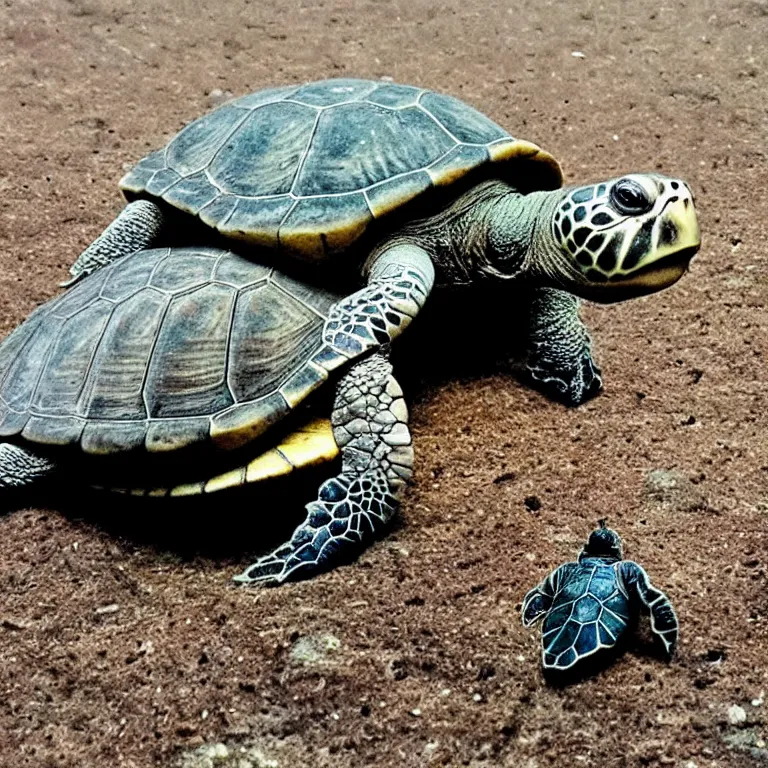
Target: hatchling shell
{"points": [[590, 611]]}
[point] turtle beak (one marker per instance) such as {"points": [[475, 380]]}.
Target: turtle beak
{"points": [[678, 238]]}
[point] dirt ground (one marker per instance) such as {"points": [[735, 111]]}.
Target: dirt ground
{"points": [[122, 640]]}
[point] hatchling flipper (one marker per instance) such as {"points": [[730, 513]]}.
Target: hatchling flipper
{"points": [[370, 425], [664, 623], [559, 359], [539, 600]]}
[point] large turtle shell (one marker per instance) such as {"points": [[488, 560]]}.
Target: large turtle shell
{"points": [[306, 169], [164, 349], [590, 611]]}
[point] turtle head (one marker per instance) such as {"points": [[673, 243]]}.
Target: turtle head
{"points": [[626, 237], [603, 542]]}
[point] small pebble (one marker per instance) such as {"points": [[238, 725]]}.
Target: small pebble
{"points": [[737, 715], [477, 697], [217, 97], [111, 608], [416, 712], [314, 649], [578, 55], [218, 752]]}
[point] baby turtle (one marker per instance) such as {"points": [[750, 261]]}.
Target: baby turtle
{"points": [[398, 188], [588, 605]]}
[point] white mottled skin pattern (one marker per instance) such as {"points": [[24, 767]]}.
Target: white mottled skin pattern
{"points": [[370, 425], [20, 467]]}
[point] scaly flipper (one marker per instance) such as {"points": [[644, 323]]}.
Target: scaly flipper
{"points": [[399, 281], [136, 227], [559, 358], [20, 467], [369, 419], [370, 424]]}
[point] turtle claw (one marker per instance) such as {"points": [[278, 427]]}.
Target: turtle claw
{"points": [[571, 386]]}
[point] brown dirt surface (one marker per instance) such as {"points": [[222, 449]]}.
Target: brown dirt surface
{"points": [[122, 640]]}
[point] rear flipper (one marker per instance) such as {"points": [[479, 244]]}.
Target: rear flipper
{"points": [[560, 360], [136, 227], [664, 622], [20, 466], [370, 426]]}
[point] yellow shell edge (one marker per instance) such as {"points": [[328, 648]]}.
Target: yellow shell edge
{"points": [[310, 445], [526, 150]]}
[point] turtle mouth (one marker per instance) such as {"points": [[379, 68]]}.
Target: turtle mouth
{"points": [[665, 271], [649, 279]]}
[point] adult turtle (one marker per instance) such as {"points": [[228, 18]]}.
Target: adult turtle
{"points": [[588, 605], [173, 372], [403, 188]]}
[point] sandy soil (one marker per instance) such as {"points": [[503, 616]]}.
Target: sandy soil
{"points": [[122, 642]]}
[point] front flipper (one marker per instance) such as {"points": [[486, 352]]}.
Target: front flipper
{"points": [[664, 623], [135, 228], [559, 360], [400, 278], [535, 605], [370, 425], [539, 600]]}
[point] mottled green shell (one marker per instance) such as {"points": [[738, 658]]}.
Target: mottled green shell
{"points": [[307, 169], [163, 349]]}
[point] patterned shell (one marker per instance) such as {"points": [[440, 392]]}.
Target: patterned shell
{"points": [[163, 349], [590, 611], [307, 169]]}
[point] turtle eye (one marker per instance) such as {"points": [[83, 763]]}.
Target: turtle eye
{"points": [[630, 198]]}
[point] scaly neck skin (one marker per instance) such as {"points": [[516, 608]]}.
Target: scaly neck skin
{"points": [[493, 232], [519, 240]]}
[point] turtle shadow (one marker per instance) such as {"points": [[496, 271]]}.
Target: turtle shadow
{"points": [[227, 526], [462, 336]]}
